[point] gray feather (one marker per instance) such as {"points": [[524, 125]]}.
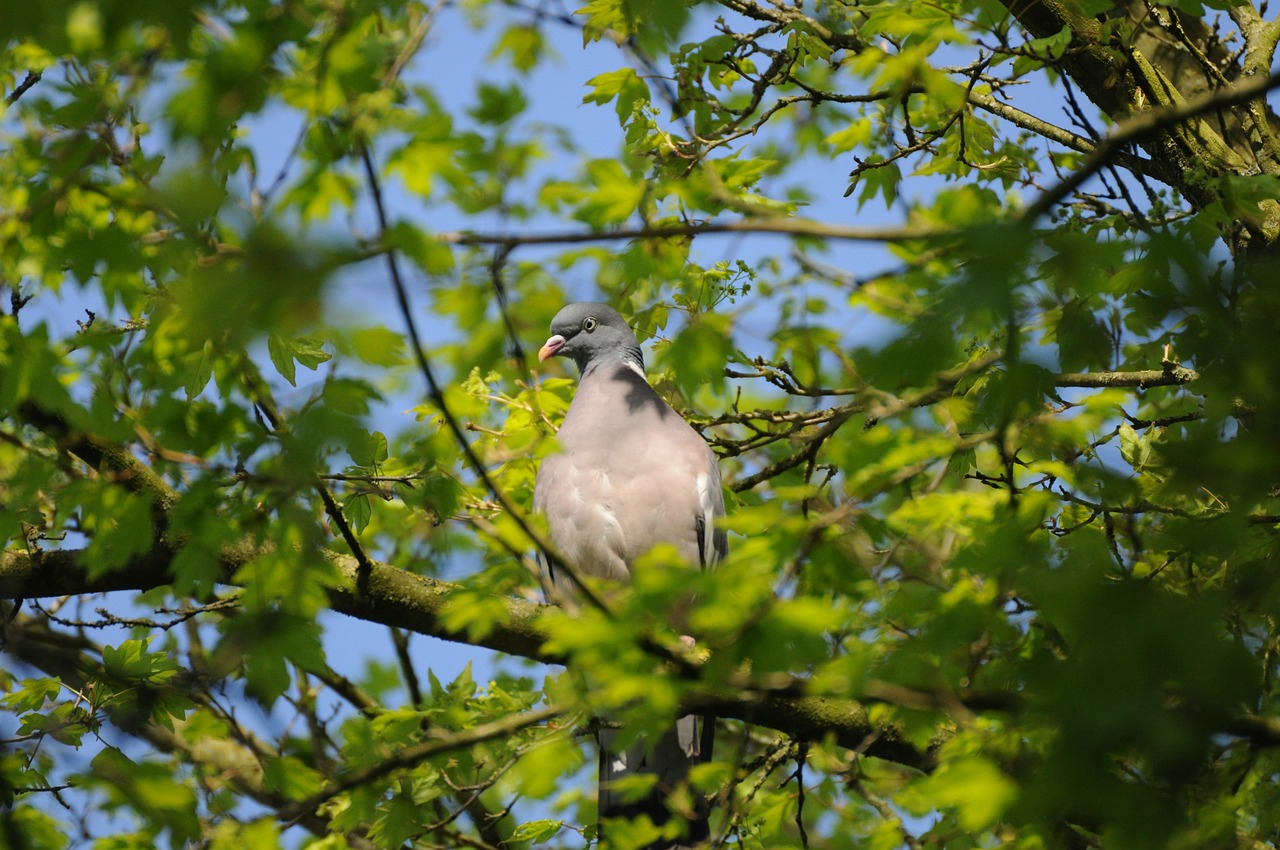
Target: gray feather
{"points": [[630, 474]]}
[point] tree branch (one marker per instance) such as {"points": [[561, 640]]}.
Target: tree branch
{"points": [[1172, 375], [393, 597], [782, 226], [1027, 121], [30, 80], [410, 756]]}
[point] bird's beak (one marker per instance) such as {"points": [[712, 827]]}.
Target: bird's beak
{"points": [[551, 347]]}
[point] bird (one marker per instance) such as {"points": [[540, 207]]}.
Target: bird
{"points": [[630, 473]]}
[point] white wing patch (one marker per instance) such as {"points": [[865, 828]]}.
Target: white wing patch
{"points": [[707, 504], [613, 538]]}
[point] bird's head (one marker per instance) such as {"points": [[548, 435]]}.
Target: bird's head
{"points": [[591, 333]]}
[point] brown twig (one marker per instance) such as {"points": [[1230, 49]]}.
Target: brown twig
{"points": [[30, 80], [781, 226], [409, 756]]}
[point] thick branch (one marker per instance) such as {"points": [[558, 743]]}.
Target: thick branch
{"points": [[105, 456], [1172, 375], [814, 718], [394, 597]]}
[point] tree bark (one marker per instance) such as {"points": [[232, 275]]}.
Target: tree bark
{"points": [[1140, 57]]}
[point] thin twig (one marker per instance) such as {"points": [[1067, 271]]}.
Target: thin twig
{"points": [[409, 756], [781, 226], [30, 80], [436, 393]]}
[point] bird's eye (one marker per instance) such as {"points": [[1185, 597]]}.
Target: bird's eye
{"points": [[589, 324]]}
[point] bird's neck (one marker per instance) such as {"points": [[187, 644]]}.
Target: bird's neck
{"points": [[631, 358]]}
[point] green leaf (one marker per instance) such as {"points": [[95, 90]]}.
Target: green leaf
{"points": [[541, 770], [659, 23], [370, 451], [498, 105], [525, 45], [536, 831], [284, 351], [1083, 341], [269, 643], [261, 834], [379, 346], [623, 87], [978, 790], [32, 829], [148, 788], [854, 135], [1043, 51], [358, 510], [120, 525], [32, 694], [430, 254], [291, 777], [199, 369], [603, 16], [131, 661], [613, 196], [698, 354], [282, 358], [1135, 448], [881, 180]]}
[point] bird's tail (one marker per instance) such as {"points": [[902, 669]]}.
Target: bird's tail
{"points": [[669, 758]]}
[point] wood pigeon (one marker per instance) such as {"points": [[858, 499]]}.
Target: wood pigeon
{"points": [[630, 474]]}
